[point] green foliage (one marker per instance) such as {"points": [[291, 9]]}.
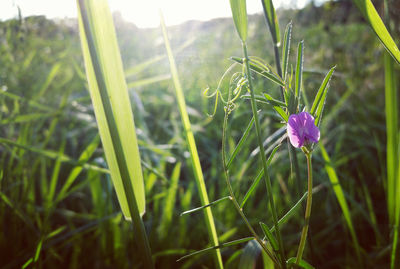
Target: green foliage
{"points": [[83, 228]]}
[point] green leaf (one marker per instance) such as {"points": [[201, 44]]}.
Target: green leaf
{"points": [[281, 113], [205, 206], [271, 238], [286, 49], [299, 69], [273, 101], [302, 263], [228, 244], [272, 20], [241, 142], [239, 14], [368, 10], [195, 160], [321, 92], [290, 213]]}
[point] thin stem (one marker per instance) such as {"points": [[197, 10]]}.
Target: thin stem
{"points": [[308, 212], [263, 158], [228, 183]]}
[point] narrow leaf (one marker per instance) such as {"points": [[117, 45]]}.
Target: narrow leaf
{"points": [[271, 238], [205, 206], [286, 49], [324, 87], [240, 144], [259, 176], [371, 15], [228, 244], [299, 69]]}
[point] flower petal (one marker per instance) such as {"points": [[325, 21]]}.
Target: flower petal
{"points": [[293, 126]]}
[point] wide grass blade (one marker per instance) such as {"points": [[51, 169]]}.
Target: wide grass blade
{"points": [[371, 15], [337, 188], [195, 160], [239, 14], [113, 112]]}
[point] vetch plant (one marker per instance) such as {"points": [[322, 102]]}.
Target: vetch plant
{"points": [[303, 133]]}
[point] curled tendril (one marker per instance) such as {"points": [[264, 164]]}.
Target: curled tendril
{"points": [[237, 83]]}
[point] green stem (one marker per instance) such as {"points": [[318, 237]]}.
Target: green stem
{"points": [[264, 159], [230, 189], [308, 212]]}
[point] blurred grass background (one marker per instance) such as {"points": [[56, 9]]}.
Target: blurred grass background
{"points": [[57, 204]]}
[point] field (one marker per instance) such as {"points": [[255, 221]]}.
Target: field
{"points": [[64, 175]]}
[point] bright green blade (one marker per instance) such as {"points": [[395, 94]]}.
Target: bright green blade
{"points": [[195, 160], [113, 112], [239, 14], [368, 10], [105, 48]]}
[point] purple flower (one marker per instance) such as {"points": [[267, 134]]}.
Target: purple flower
{"points": [[301, 129]]}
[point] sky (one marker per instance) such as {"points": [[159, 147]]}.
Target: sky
{"points": [[143, 13]]}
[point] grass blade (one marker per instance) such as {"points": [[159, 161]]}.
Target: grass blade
{"points": [[113, 112], [239, 14], [170, 202], [257, 180], [228, 244], [205, 206], [337, 188], [371, 15], [198, 173]]}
